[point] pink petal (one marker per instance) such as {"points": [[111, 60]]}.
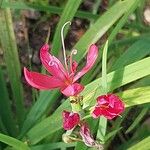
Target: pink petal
{"points": [[41, 81], [70, 120], [87, 137], [109, 106], [91, 58], [102, 100], [52, 64], [72, 89], [96, 112]]}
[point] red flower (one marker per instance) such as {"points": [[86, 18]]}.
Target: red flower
{"points": [[70, 120], [108, 106], [62, 78]]}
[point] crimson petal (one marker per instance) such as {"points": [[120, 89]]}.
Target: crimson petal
{"points": [[91, 58], [109, 106], [52, 64], [70, 120], [72, 89], [41, 81]]}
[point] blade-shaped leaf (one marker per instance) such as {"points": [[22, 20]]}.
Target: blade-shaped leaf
{"points": [[45, 99], [8, 42], [5, 107], [53, 146], [103, 121], [137, 51], [142, 145], [51, 9], [137, 119], [18, 145], [97, 30]]}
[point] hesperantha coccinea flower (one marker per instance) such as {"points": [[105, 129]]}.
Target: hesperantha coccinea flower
{"points": [[70, 120], [109, 106], [64, 78]]}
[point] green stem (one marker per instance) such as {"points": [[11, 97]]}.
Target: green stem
{"points": [[103, 121]]}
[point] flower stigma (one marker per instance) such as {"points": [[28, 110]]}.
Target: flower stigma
{"points": [[63, 44]]}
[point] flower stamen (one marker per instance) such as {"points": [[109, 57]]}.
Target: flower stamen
{"points": [[63, 44]]}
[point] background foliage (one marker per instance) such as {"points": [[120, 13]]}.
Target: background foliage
{"points": [[31, 119]]}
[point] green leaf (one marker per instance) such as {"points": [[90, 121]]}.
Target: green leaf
{"points": [[117, 123], [143, 82], [67, 15], [81, 145], [112, 133], [97, 30], [53, 146], [137, 51], [103, 121], [46, 99], [8, 42], [2, 127], [137, 120], [124, 19], [51, 9], [91, 74], [133, 97], [5, 107], [18, 145], [142, 145], [104, 69], [53, 123]]}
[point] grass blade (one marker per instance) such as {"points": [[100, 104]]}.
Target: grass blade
{"points": [[18, 145], [142, 145], [53, 146], [133, 97], [5, 108], [9, 46], [135, 52], [137, 119], [51, 9], [101, 26], [133, 5], [103, 121], [2, 127], [45, 99]]}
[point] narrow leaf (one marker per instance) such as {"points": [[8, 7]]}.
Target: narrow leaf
{"points": [[137, 119], [8, 42], [53, 146], [99, 28], [142, 145], [5, 107], [103, 121], [18, 145]]}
